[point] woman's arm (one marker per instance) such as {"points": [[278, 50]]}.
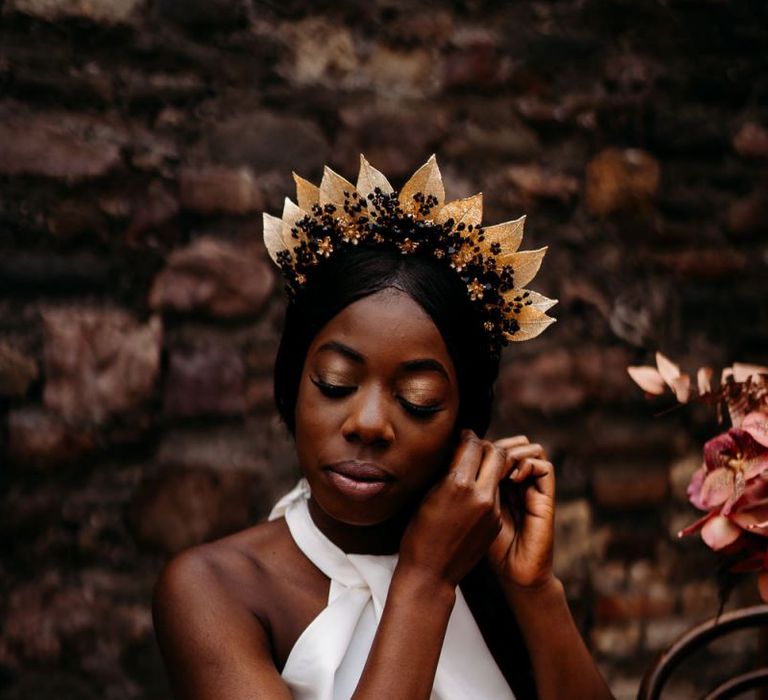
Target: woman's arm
{"points": [[558, 654], [448, 535], [212, 644], [521, 555]]}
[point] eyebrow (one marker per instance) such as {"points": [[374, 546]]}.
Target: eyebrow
{"points": [[335, 346], [425, 363], [418, 365]]}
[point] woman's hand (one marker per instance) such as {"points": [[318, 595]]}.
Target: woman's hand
{"points": [[521, 554], [460, 517]]}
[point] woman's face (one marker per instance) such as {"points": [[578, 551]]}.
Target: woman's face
{"points": [[376, 409]]}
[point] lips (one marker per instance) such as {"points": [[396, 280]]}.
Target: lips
{"points": [[358, 480], [360, 471]]}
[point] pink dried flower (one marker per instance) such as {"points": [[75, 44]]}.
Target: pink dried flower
{"points": [[731, 486]]}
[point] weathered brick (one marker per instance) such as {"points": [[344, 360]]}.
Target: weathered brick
{"points": [[656, 601], [680, 473], [211, 190], [66, 146], [473, 60], [267, 141], [183, 508], [17, 371], [43, 440], [617, 489], [751, 141], [534, 183], [620, 179], [705, 264], [213, 277], [203, 13], [619, 640], [564, 379], [394, 140], [102, 11], [573, 529], [205, 380], [98, 362], [660, 634]]}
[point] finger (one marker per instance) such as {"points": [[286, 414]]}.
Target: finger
{"points": [[513, 441], [513, 502], [492, 468], [522, 451], [467, 458], [540, 470]]}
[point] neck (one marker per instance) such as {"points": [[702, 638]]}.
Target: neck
{"points": [[382, 538]]}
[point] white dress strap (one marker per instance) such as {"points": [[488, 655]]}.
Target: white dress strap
{"points": [[328, 658]]}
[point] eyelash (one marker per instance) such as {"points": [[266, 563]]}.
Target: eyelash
{"points": [[337, 391]]}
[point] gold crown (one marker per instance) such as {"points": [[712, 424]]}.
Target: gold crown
{"points": [[416, 220]]}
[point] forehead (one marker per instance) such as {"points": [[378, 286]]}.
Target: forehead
{"points": [[387, 326]]}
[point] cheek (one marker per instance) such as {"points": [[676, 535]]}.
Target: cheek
{"points": [[433, 446], [311, 423]]}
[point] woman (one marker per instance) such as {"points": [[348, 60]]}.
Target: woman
{"points": [[415, 558]]}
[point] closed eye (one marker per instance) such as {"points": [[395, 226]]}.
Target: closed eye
{"points": [[338, 391], [333, 391], [420, 411]]}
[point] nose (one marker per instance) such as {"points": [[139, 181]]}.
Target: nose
{"points": [[369, 421]]}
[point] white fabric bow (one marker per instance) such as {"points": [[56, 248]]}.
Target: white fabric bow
{"points": [[328, 658]]}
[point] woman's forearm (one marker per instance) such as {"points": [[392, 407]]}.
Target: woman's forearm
{"points": [[405, 651], [558, 654]]}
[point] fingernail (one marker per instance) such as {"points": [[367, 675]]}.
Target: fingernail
{"points": [[514, 473]]}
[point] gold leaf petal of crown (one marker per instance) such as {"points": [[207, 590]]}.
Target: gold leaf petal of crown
{"points": [[416, 220]]}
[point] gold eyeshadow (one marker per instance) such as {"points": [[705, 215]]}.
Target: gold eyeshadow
{"points": [[421, 391]]}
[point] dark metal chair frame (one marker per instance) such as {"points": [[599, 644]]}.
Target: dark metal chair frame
{"points": [[697, 638]]}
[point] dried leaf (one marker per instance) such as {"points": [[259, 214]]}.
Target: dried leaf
{"points": [[704, 380], [532, 323], [468, 211], [538, 301], [668, 369], [332, 189], [292, 214], [307, 194], [648, 379], [742, 372], [369, 179], [427, 180], [525, 263], [682, 387], [509, 235], [273, 235]]}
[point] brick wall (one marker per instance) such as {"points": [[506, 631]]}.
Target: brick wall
{"points": [[139, 143]]}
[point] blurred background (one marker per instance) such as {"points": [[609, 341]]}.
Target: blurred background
{"points": [[140, 140]]}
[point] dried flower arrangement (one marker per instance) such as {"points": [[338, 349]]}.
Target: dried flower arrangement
{"points": [[731, 485]]}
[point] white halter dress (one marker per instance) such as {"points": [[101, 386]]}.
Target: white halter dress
{"points": [[328, 658]]}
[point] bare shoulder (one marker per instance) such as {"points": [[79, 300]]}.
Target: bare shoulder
{"points": [[209, 608], [234, 570]]}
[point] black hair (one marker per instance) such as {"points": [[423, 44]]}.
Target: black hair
{"points": [[362, 271]]}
